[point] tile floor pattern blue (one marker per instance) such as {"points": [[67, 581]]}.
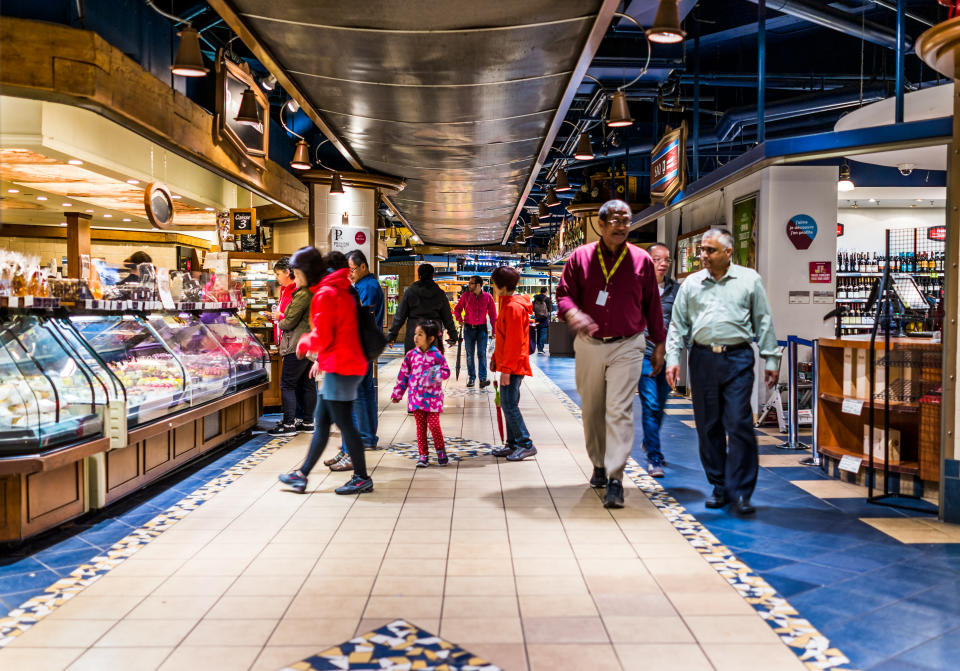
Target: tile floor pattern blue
{"points": [[885, 604]]}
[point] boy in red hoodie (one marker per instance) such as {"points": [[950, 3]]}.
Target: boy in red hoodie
{"points": [[511, 358]]}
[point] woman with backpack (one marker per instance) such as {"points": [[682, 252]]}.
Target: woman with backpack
{"points": [[334, 343], [542, 307]]}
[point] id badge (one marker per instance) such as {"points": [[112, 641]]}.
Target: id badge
{"points": [[602, 297]]}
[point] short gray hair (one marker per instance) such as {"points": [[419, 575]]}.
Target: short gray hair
{"points": [[610, 206], [722, 235]]}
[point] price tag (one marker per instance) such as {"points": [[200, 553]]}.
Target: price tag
{"points": [[850, 464], [28, 301], [13, 302], [852, 406], [163, 288]]}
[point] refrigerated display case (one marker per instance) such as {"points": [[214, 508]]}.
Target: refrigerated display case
{"points": [[210, 370], [249, 356]]}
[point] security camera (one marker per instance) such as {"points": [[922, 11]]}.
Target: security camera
{"points": [[905, 168]]}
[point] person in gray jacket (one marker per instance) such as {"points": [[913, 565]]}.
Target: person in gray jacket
{"points": [[297, 390], [422, 300]]}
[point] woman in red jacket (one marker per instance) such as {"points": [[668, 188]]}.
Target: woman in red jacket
{"points": [[334, 343]]}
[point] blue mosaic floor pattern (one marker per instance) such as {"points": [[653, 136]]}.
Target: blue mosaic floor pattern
{"points": [[888, 606]]}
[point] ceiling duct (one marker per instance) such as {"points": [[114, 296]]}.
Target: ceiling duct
{"points": [[834, 19]]}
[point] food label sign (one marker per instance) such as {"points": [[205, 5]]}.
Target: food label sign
{"points": [[801, 229], [821, 272], [243, 221]]}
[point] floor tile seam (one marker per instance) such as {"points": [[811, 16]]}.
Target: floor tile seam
{"points": [[798, 634], [35, 609]]}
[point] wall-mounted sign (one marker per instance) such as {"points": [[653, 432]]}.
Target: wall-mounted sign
{"points": [[243, 221], [232, 80], [839, 229], [799, 297], [668, 174], [938, 233], [158, 204], [821, 272], [801, 229], [745, 231], [347, 238]]}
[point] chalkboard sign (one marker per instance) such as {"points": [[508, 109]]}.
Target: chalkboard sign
{"points": [[243, 221]]}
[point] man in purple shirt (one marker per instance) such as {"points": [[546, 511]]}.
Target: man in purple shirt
{"points": [[475, 306], [608, 294]]}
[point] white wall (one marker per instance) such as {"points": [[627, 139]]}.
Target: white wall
{"points": [[864, 227]]}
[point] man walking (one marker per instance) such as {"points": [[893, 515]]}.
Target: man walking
{"points": [[654, 388], [608, 296], [723, 307], [542, 307], [422, 300], [472, 311]]}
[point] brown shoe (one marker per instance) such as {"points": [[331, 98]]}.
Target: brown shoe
{"points": [[344, 464], [334, 459]]}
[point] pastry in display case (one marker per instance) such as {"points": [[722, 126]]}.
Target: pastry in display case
{"points": [[249, 357], [210, 370]]}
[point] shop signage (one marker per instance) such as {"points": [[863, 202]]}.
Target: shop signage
{"points": [[347, 238], [824, 297], [243, 221], [851, 406], [850, 464], [668, 165], [250, 141], [799, 297], [938, 233], [801, 229], [821, 272], [839, 229], [745, 231]]}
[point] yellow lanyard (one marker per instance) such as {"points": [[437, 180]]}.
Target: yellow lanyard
{"points": [[603, 265]]}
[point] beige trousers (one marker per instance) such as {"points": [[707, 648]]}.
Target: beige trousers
{"points": [[607, 377]]}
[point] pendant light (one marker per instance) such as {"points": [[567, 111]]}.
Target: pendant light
{"points": [[552, 200], [398, 241], [563, 184], [666, 26], [542, 209], [249, 112], [189, 60], [301, 156], [269, 83], [534, 221], [336, 185], [845, 183], [619, 111], [527, 232], [584, 150]]}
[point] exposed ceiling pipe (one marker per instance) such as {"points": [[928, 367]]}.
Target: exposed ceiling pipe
{"points": [[828, 17]]}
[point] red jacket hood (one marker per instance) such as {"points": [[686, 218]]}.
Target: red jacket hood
{"points": [[519, 299], [338, 279]]}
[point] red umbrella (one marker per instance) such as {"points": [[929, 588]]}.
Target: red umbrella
{"points": [[496, 400]]}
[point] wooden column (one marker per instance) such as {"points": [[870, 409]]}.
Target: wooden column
{"points": [[78, 241]]}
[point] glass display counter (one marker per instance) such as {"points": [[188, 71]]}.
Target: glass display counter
{"points": [[210, 371], [249, 356]]}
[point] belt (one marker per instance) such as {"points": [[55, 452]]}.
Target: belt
{"points": [[476, 326], [722, 349], [612, 338]]}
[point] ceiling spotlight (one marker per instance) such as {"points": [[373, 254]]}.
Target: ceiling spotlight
{"points": [[189, 60], [845, 183], [563, 184], [584, 150], [543, 210], [107, 216], [336, 185], [666, 26], [301, 156], [176, 196], [75, 161], [89, 211], [269, 83], [208, 209], [855, 205], [293, 105], [41, 197], [13, 190], [249, 112], [552, 200], [133, 181], [126, 219], [873, 200], [619, 111], [919, 200], [66, 204]]}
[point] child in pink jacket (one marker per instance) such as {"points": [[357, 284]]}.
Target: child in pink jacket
{"points": [[423, 371]]}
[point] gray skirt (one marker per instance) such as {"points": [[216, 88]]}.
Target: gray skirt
{"points": [[336, 387]]}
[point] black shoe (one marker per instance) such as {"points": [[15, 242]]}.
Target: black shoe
{"points": [[303, 427], [282, 429], [484, 384], [599, 477], [718, 499], [470, 383], [521, 453], [356, 485], [294, 480], [742, 506], [614, 497], [503, 450]]}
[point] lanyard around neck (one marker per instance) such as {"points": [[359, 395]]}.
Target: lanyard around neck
{"points": [[603, 264]]}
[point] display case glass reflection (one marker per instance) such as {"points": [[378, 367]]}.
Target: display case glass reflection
{"points": [[250, 359], [211, 372]]}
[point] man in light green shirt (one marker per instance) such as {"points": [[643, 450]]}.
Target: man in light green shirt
{"points": [[722, 309]]}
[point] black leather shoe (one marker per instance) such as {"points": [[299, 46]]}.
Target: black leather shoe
{"points": [[599, 477], [717, 500], [742, 506], [614, 497]]}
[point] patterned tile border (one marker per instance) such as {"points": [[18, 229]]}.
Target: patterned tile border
{"points": [[396, 646], [455, 392], [812, 647], [35, 609], [457, 448]]}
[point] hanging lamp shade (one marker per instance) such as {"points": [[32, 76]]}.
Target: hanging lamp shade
{"points": [[249, 112], [301, 156], [398, 241], [584, 150], [845, 183], [527, 232], [552, 200], [534, 221], [619, 111], [336, 185], [666, 26], [563, 183], [189, 60], [542, 209]]}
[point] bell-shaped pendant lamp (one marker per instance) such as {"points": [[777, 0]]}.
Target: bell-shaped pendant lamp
{"points": [[666, 26], [563, 184], [527, 232], [249, 112], [552, 200], [584, 150], [398, 241], [534, 221], [845, 183], [301, 156], [336, 185], [619, 111], [189, 60], [543, 210]]}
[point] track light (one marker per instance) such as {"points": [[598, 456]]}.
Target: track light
{"points": [[619, 111], [189, 60], [666, 26], [584, 150], [249, 112], [552, 200], [301, 156], [269, 83], [562, 183], [336, 185], [542, 209], [845, 183], [293, 105]]}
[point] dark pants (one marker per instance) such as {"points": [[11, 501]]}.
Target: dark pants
{"points": [[542, 328], [721, 386], [365, 410], [339, 413], [298, 393], [475, 342], [517, 434], [653, 400]]}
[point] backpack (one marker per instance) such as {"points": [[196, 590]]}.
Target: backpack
{"points": [[372, 339], [540, 310]]}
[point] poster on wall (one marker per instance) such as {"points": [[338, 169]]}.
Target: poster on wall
{"points": [[801, 230], [347, 238], [745, 231], [821, 272]]}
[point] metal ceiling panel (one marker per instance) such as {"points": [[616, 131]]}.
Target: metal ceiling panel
{"points": [[460, 99]]}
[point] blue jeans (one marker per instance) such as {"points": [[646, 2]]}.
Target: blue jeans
{"points": [[721, 386], [653, 400], [542, 328], [517, 434], [365, 410], [475, 342]]}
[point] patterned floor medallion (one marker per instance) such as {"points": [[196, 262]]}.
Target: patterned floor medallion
{"points": [[395, 646], [456, 392], [457, 448]]}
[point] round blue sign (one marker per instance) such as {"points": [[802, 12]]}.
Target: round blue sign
{"points": [[801, 229]]}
